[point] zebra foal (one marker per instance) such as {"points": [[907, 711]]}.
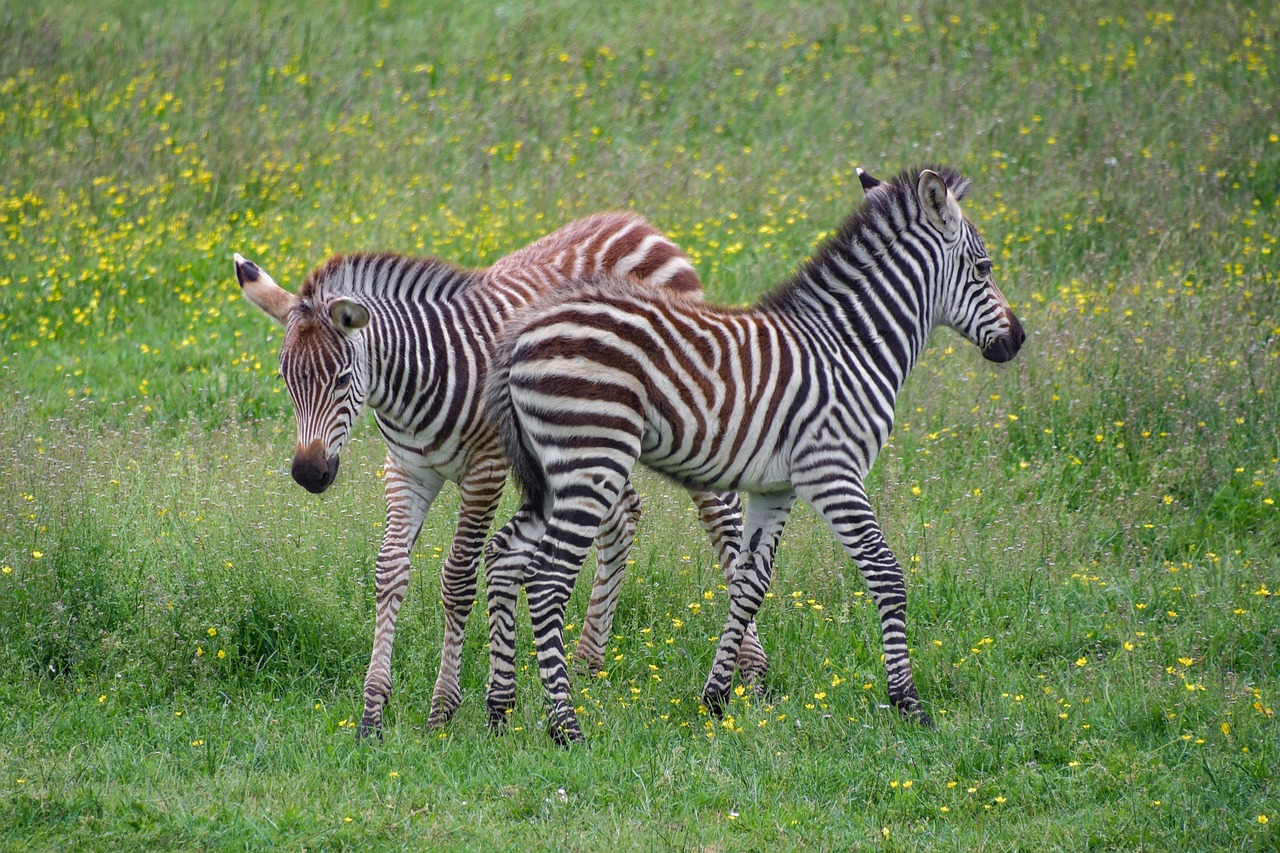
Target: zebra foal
{"points": [[793, 398], [412, 339]]}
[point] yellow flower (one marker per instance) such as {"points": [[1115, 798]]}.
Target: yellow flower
{"points": [[37, 554], [213, 632], [1081, 661], [221, 654], [1262, 818]]}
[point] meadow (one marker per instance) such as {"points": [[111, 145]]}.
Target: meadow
{"points": [[1091, 532]]}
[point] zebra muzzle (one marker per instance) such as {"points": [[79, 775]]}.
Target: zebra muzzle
{"points": [[313, 468], [1005, 347]]}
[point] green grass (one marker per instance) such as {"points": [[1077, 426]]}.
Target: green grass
{"points": [[1091, 532]]}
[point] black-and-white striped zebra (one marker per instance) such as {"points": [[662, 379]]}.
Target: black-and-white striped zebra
{"points": [[793, 398], [412, 338]]}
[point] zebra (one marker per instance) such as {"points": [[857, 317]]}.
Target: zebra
{"points": [[791, 398], [412, 338]]}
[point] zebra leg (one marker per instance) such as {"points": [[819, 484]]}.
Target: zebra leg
{"points": [[408, 500], [505, 558], [613, 547], [765, 518], [572, 524], [720, 515], [847, 511], [481, 489]]}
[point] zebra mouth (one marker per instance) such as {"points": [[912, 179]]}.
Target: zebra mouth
{"points": [[315, 472], [1005, 347]]}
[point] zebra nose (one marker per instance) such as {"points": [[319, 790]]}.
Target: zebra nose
{"points": [[1005, 347], [313, 469]]}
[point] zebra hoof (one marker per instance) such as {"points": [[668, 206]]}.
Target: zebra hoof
{"points": [[497, 721], [440, 715], [370, 727], [913, 712], [922, 718], [567, 733], [715, 702]]}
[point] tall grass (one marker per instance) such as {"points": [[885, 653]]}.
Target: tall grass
{"points": [[1090, 533]]}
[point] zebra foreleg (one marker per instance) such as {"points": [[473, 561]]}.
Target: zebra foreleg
{"points": [[407, 503], [721, 518], [481, 489], [848, 512], [506, 556], [613, 547], [765, 518]]}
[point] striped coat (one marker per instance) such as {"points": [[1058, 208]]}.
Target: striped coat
{"points": [[792, 398], [412, 339]]}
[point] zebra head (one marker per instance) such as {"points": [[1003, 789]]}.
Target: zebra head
{"points": [[323, 365], [970, 302]]}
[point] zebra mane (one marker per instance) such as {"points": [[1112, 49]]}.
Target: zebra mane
{"points": [[890, 208], [386, 275]]}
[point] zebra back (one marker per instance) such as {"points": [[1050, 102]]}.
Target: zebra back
{"points": [[725, 393], [429, 327]]}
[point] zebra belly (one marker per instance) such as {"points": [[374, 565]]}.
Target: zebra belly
{"points": [[698, 468]]}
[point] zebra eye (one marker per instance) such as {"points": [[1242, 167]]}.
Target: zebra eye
{"points": [[983, 267], [342, 380]]}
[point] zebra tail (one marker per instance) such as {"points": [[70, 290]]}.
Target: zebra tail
{"points": [[525, 465]]}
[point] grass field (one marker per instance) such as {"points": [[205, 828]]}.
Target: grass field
{"points": [[1091, 532]]}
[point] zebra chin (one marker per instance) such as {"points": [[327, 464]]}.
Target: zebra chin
{"points": [[1005, 347], [313, 469]]}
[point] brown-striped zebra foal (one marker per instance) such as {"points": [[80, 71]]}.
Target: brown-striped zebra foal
{"points": [[793, 398], [412, 338]]}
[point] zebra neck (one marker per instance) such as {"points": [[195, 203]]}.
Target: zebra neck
{"points": [[878, 316], [418, 350]]}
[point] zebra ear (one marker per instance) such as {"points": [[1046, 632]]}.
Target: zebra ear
{"points": [[868, 183], [940, 206], [260, 289], [348, 315]]}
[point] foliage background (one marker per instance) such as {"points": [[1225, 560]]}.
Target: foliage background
{"points": [[1091, 532]]}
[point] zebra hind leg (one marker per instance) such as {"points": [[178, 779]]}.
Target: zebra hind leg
{"points": [[765, 518], [572, 523], [720, 515], [505, 558], [613, 547]]}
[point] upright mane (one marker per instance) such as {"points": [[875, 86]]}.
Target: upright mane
{"points": [[385, 275], [888, 210]]}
